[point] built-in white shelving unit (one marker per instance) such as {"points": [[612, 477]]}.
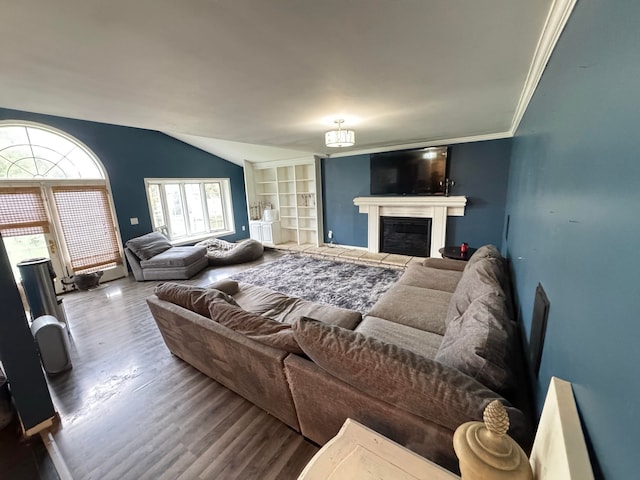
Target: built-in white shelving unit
{"points": [[292, 187]]}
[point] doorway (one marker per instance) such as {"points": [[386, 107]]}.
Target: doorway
{"points": [[25, 247]]}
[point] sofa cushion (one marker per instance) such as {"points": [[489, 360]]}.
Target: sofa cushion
{"points": [[261, 329], [258, 300], [485, 251], [282, 308], [421, 386], [416, 307], [175, 257], [479, 342], [329, 314], [487, 275], [229, 287], [196, 299], [434, 278], [444, 263], [417, 341], [149, 245]]}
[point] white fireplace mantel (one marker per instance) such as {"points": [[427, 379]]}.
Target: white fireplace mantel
{"points": [[435, 208]]}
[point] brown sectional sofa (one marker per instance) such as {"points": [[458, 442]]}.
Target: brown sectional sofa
{"points": [[435, 349]]}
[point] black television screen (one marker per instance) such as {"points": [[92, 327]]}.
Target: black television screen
{"points": [[409, 172]]}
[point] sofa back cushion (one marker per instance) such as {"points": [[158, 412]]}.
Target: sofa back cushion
{"points": [[480, 342], [419, 385], [486, 275], [283, 308], [261, 329], [432, 278], [416, 307], [149, 245], [196, 299], [485, 251]]}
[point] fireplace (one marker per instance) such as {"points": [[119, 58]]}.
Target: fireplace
{"points": [[405, 236], [436, 208]]}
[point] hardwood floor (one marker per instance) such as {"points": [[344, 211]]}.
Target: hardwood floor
{"points": [[131, 410]]}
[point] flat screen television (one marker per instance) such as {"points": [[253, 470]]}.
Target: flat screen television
{"points": [[410, 172]]}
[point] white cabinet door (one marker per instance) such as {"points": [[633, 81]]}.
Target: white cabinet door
{"points": [[255, 230], [271, 232], [267, 233]]}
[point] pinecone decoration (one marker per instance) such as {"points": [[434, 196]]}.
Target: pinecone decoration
{"points": [[495, 418]]}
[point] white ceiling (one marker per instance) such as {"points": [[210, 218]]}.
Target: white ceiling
{"points": [[223, 73]]}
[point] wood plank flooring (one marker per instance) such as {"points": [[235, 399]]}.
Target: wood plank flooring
{"points": [[131, 410]]}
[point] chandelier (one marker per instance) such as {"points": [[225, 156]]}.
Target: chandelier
{"points": [[339, 138]]}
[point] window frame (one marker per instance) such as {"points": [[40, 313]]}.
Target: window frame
{"points": [[190, 237], [61, 257], [58, 250], [61, 133]]}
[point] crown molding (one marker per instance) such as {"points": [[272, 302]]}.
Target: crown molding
{"points": [[429, 143], [557, 18]]}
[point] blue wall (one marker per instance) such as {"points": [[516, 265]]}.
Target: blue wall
{"points": [[481, 173], [131, 154], [344, 179], [573, 201], [480, 170]]}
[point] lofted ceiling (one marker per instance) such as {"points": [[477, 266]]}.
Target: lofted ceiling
{"points": [[263, 79]]}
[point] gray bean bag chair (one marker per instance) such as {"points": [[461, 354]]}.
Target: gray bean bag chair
{"points": [[221, 252]]}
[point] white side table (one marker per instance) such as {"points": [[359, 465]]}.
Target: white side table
{"points": [[359, 452]]}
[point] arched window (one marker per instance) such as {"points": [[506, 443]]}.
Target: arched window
{"points": [[32, 151], [55, 201]]}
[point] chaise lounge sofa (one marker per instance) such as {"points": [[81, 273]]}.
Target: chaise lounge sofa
{"points": [[153, 257], [434, 350]]}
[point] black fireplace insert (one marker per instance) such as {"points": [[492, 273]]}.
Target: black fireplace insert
{"points": [[405, 236]]}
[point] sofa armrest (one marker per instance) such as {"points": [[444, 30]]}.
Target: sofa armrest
{"points": [[445, 264], [134, 263], [245, 366]]}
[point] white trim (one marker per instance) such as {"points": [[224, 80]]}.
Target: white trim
{"points": [[227, 207], [204, 236], [412, 201], [557, 18], [426, 143], [340, 245], [306, 160], [435, 208], [559, 449], [44, 425], [56, 456], [63, 134]]}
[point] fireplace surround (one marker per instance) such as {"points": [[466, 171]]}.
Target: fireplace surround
{"points": [[437, 208]]}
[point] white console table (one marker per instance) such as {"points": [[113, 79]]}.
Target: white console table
{"points": [[359, 452]]}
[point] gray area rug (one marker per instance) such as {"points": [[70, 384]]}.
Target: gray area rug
{"points": [[346, 285]]}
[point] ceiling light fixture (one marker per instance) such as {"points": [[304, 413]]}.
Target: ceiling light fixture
{"points": [[339, 138]]}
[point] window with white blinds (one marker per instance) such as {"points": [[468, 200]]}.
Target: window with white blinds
{"points": [[87, 226], [22, 212]]}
